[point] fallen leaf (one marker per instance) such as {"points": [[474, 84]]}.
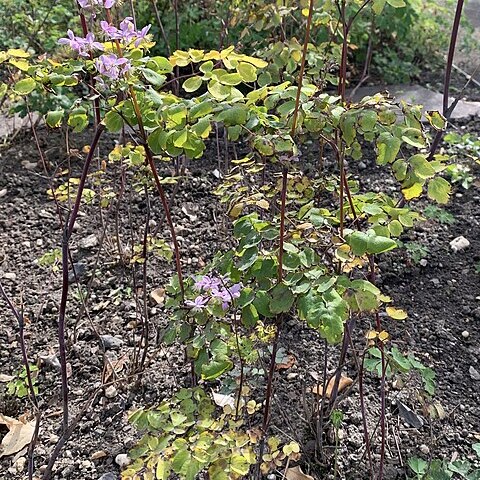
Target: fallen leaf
{"points": [[396, 313], [158, 295], [19, 435], [223, 400], [6, 378], [295, 473], [287, 362], [407, 414], [114, 367], [342, 385]]}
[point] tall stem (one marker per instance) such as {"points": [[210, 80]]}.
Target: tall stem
{"points": [[448, 73]]}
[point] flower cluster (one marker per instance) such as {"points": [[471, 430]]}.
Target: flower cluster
{"points": [[213, 288], [127, 32], [112, 66], [93, 3], [83, 46]]}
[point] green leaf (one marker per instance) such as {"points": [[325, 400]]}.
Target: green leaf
{"points": [[439, 190], [370, 242], [163, 469], [218, 91], [436, 120], [282, 299], [215, 368], [113, 121], [161, 64], [192, 84], [421, 166], [233, 116], [418, 465], [414, 137], [180, 460], [414, 191], [388, 147], [247, 71], [262, 304], [24, 86], [239, 465], [248, 258], [396, 3], [249, 315], [54, 118], [378, 6], [153, 77]]}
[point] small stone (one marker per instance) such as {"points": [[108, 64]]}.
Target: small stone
{"points": [[362, 165], [3, 192], [10, 276], [458, 244], [424, 449], [111, 392], [122, 460], [90, 241], [423, 262], [53, 439], [111, 342], [465, 334], [474, 373], [292, 376], [39, 242], [20, 464], [435, 281], [271, 476], [98, 454], [108, 476]]}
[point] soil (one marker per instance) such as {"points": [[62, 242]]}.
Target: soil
{"points": [[441, 296]]}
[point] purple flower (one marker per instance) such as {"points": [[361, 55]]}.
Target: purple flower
{"points": [[227, 295], [198, 304], [110, 30], [92, 3], [141, 35], [75, 43], [90, 43], [127, 30], [111, 66], [207, 283]]}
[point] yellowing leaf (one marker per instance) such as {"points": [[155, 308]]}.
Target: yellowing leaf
{"points": [[396, 313], [383, 336], [413, 192], [371, 334]]}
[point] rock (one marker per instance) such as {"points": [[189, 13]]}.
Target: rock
{"points": [[458, 244], [111, 342], [424, 449], [90, 241], [409, 416], [111, 392], [3, 192], [292, 376], [474, 373], [20, 464], [435, 281], [10, 276], [108, 476], [465, 334], [98, 454], [122, 460], [423, 262], [79, 268], [362, 165], [53, 439]]}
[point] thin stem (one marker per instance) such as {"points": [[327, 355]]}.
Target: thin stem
{"points": [[448, 73]]}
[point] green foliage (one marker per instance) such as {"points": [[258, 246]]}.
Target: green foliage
{"points": [[416, 251], [193, 433], [441, 215], [402, 364], [442, 469], [19, 385]]}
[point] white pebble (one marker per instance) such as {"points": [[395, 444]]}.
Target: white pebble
{"points": [[465, 334], [458, 244], [122, 460]]}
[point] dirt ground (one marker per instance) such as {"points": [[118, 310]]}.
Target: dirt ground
{"points": [[441, 296]]}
